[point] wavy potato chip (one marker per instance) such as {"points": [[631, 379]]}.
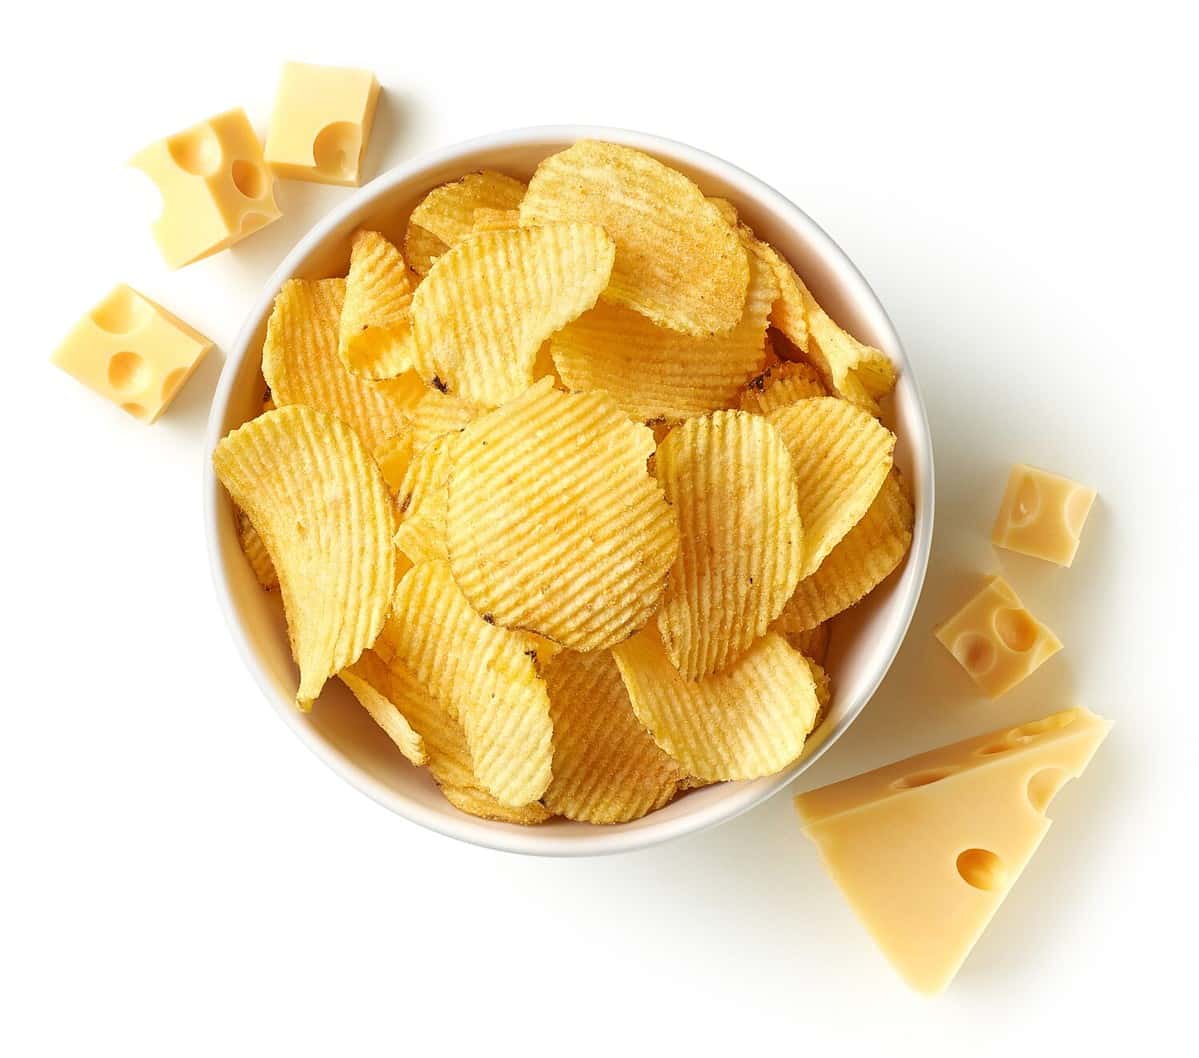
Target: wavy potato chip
{"points": [[486, 675], [421, 249], [726, 209], [375, 331], [371, 683], [824, 691], [729, 477], [255, 551], [495, 220], [652, 372], [677, 260], [867, 555], [422, 501], [607, 768], [394, 456], [780, 385], [812, 643], [554, 524], [748, 721], [484, 309], [301, 364], [318, 500], [439, 413], [842, 456], [448, 212]]}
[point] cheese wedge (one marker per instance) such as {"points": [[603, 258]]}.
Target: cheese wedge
{"points": [[926, 849]]}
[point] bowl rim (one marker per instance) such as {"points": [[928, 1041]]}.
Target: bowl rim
{"points": [[535, 840]]}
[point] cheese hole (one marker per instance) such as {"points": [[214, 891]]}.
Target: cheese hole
{"points": [[975, 652], [197, 152], [982, 869], [252, 222], [127, 372], [248, 178], [136, 410], [1077, 507], [922, 778], [122, 312], [1043, 787], [1027, 502], [1029, 731], [336, 147], [1016, 628], [172, 382], [993, 748]]}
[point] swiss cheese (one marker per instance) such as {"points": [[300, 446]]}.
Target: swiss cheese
{"points": [[1042, 515]]}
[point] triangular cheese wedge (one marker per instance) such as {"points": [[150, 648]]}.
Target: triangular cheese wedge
{"points": [[926, 849]]}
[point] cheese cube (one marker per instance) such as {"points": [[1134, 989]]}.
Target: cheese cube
{"points": [[321, 123], [133, 352], [1042, 515], [996, 639], [926, 849], [216, 188]]}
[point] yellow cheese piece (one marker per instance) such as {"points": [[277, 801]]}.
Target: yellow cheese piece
{"points": [[926, 849], [321, 123], [1042, 515], [133, 352], [996, 639], [215, 187]]}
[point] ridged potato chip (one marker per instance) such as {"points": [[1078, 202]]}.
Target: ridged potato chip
{"points": [[255, 551], [607, 768], [394, 456], [729, 477], [301, 364], [487, 676], [421, 249], [448, 212], [812, 643], [490, 301], [321, 506], [652, 372], [439, 413], [782, 384], [842, 456], [370, 681], [554, 524], [678, 262], [867, 555], [495, 220], [745, 722], [422, 500], [726, 209], [824, 691], [375, 331]]}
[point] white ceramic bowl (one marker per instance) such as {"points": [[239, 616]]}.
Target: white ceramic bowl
{"points": [[340, 732]]}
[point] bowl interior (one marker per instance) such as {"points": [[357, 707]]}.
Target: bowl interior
{"points": [[337, 729]]}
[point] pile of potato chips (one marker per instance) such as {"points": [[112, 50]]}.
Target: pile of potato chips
{"points": [[567, 489]]}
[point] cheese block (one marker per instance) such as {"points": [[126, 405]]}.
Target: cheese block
{"points": [[1042, 515], [926, 849]]}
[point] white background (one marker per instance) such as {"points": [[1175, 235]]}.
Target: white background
{"points": [[180, 876]]}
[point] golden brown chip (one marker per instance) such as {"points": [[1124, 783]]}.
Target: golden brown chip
{"points": [[486, 675], [729, 477], [370, 681], [394, 456], [421, 249], [375, 332], [811, 642], [302, 366], [255, 551], [726, 209], [319, 502], [824, 691], [745, 722], [484, 309], [439, 413], [554, 524], [448, 212], [652, 372], [842, 456], [783, 384], [607, 768], [677, 261], [867, 555], [422, 501], [495, 220]]}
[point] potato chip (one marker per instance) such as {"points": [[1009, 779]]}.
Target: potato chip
{"points": [[554, 524], [812, 643], [302, 366], [824, 691], [867, 555], [394, 456], [783, 384], [842, 456], [652, 372], [439, 413], [729, 477], [677, 261], [321, 506], [486, 675], [495, 220], [370, 681], [375, 331], [607, 768], [421, 249], [745, 722], [484, 309], [726, 209], [448, 212], [422, 499], [255, 551], [478, 802]]}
